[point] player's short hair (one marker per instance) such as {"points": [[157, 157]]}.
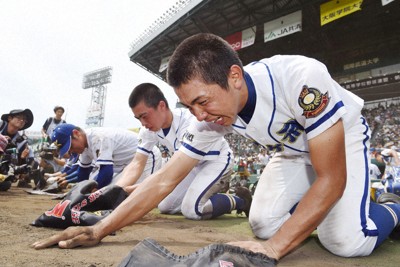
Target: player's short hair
{"points": [[204, 56], [147, 92]]}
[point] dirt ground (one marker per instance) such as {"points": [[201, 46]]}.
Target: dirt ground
{"points": [[180, 236]]}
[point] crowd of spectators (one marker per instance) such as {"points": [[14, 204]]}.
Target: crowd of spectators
{"points": [[383, 119]]}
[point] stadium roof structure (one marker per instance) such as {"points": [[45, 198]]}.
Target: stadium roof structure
{"points": [[361, 50]]}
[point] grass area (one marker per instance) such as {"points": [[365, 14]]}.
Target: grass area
{"points": [[228, 223]]}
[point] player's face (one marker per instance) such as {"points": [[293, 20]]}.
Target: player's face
{"points": [[78, 144], [210, 102], [151, 118]]}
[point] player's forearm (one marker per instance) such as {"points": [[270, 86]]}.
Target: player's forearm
{"points": [[145, 198], [132, 172], [309, 213]]}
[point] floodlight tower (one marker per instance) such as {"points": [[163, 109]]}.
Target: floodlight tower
{"points": [[97, 80]]}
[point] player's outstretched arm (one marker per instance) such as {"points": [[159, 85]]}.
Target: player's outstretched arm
{"points": [[70, 238], [133, 170], [133, 208]]}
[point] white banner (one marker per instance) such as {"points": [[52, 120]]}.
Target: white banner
{"points": [[283, 26], [385, 2]]}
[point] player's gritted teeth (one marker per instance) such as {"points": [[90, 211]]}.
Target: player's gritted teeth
{"points": [[213, 119], [219, 121]]}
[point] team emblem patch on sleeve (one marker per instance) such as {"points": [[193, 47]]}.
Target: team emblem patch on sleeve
{"points": [[312, 101]]}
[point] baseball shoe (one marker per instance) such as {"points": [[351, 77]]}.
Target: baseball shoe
{"points": [[390, 198], [245, 194]]}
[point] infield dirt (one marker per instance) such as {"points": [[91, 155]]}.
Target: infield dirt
{"points": [[180, 236]]}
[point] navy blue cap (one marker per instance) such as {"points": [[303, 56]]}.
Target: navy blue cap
{"points": [[62, 136]]}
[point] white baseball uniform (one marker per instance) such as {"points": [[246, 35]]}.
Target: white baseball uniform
{"points": [[117, 147], [191, 196], [293, 99]]}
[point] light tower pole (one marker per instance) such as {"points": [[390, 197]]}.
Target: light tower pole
{"points": [[97, 80]]}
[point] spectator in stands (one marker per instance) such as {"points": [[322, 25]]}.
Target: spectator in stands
{"points": [[374, 172], [263, 157], [377, 159]]}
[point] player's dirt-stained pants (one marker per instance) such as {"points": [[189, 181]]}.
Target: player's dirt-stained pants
{"points": [[192, 195], [347, 230]]}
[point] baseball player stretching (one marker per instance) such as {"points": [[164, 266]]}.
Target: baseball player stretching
{"points": [[197, 196], [318, 178], [109, 149]]}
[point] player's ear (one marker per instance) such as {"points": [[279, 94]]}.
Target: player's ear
{"points": [[162, 104], [75, 134], [235, 76]]}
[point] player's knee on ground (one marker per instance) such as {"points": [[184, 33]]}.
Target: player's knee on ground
{"points": [[166, 207], [342, 245], [189, 212], [265, 228]]}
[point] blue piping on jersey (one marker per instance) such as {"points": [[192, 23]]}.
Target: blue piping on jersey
{"points": [[152, 155], [363, 216], [145, 150], [324, 118], [198, 152], [176, 147], [237, 126], [153, 162], [209, 186], [274, 110]]}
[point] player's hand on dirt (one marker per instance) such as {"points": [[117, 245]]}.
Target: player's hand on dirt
{"points": [[70, 238], [264, 247], [62, 182]]}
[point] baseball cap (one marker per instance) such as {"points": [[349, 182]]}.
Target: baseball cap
{"points": [[61, 137], [3, 143], [27, 112]]}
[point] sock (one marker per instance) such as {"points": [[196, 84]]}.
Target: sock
{"points": [[223, 203], [385, 218], [395, 207]]}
